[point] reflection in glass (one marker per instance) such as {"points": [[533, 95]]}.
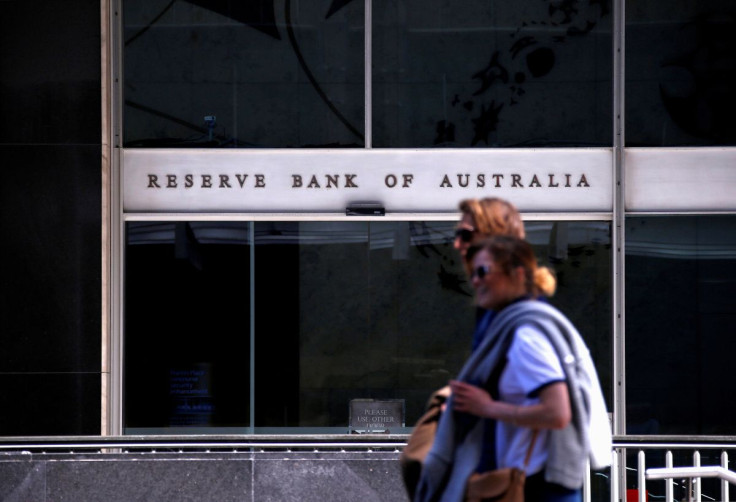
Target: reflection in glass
{"points": [[341, 311], [491, 74], [291, 74], [681, 73], [187, 340], [680, 324], [203, 73]]}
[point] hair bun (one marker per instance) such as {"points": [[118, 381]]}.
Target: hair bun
{"points": [[545, 281]]}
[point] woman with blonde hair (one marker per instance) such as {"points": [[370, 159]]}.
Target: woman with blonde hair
{"points": [[483, 218], [528, 397]]}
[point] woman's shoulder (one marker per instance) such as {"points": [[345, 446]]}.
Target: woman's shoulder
{"points": [[528, 338], [532, 353], [530, 308]]}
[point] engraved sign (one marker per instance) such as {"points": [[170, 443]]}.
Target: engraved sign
{"points": [[373, 416], [329, 181]]}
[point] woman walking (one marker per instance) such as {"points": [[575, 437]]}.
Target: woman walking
{"points": [[528, 396]]}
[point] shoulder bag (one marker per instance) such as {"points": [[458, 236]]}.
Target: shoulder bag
{"points": [[500, 485], [421, 439]]}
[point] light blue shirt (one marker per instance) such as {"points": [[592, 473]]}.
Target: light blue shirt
{"points": [[532, 365]]}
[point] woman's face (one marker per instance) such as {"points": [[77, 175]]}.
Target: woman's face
{"points": [[464, 234], [494, 289]]}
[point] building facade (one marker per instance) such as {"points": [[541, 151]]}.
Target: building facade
{"points": [[238, 219]]}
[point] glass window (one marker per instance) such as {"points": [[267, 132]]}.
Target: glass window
{"points": [[339, 311], [471, 74], [202, 73], [491, 74], [187, 311], [680, 73], [680, 324]]}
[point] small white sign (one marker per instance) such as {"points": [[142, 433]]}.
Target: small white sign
{"points": [[376, 416]]}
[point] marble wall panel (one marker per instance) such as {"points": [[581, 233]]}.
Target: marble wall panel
{"points": [[368, 477], [202, 477], [139, 477], [21, 479]]}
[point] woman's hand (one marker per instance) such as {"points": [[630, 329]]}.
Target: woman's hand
{"points": [[471, 399]]}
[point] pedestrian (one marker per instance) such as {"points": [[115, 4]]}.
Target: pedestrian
{"points": [[480, 219], [528, 397], [483, 218]]}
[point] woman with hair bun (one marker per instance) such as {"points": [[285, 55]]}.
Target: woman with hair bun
{"points": [[481, 219], [528, 397]]}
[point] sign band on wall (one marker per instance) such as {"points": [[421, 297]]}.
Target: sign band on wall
{"points": [[330, 180]]}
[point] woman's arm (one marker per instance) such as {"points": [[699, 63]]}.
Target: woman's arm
{"points": [[552, 412]]}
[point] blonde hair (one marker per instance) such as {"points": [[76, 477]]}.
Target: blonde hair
{"points": [[544, 281], [493, 216], [509, 252]]}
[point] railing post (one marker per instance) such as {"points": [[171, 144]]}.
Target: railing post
{"points": [[669, 484], [697, 484], [616, 454], [724, 483], [641, 474]]}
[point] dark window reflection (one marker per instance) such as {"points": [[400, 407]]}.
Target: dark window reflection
{"points": [[680, 324], [187, 306], [342, 311], [483, 74], [681, 73], [206, 73], [269, 74]]}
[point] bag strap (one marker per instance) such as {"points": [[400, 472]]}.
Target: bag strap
{"points": [[529, 450]]}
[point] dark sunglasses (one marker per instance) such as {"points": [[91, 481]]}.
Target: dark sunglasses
{"points": [[480, 272], [464, 234]]}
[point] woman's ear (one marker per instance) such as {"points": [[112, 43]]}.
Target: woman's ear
{"points": [[519, 275]]}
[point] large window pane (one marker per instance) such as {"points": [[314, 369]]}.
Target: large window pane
{"points": [[377, 311], [680, 73], [187, 334], [342, 311], [204, 73], [479, 74], [680, 324]]}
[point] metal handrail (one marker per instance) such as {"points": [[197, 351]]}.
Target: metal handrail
{"points": [[209, 442], [691, 473], [267, 441], [713, 471]]}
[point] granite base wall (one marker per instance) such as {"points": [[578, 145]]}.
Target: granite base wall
{"points": [[221, 477]]}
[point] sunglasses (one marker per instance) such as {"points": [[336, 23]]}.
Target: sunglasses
{"points": [[464, 234], [480, 272]]}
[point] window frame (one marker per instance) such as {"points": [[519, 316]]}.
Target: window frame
{"points": [[639, 185]]}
